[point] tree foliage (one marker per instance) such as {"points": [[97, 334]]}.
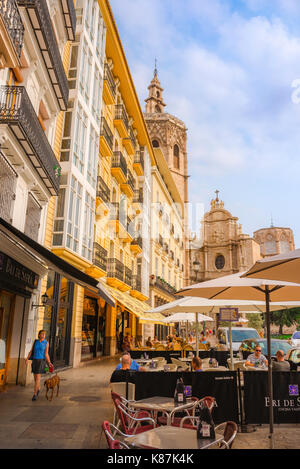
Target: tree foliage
{"points": [[255, 320], [286, 317]]}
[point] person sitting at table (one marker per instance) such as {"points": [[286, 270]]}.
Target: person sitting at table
{"points": [[126, 346], [256, 359], [281, 364], [191, 339], [170, 344], [197, 364], [128, 364], [203, 338], [149, 343], [155, 340]]}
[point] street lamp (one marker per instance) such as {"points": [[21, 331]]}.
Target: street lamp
{"points": [[44, 298], [196, 269]]}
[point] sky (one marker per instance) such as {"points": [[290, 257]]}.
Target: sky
{"points": [[230, 70]]}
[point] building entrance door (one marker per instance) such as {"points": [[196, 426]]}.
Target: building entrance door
{"points": [[6, 305]]}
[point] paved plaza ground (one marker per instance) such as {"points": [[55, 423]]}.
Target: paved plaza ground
{"points": [[73, 419]]}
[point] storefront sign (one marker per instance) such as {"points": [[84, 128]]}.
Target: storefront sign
{"points": [[286, 397], [229, 314], [16, 272]]}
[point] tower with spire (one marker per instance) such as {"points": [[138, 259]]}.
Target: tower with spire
{"points": [[169, 134]]}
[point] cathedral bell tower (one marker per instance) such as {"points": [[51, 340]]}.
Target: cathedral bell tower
{"points": [[169, 134]]}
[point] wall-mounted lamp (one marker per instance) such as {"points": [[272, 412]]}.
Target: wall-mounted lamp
{"points": [[45, 298]]}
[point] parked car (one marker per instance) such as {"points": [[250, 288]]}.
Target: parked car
{"points": [[248, 346], [238, 335], [295, 339], [293, 357]]}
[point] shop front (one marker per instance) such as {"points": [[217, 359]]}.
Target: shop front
{"points": [[93, 327]]}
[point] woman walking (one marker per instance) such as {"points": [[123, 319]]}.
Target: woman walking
{"points": [[39, 354]]}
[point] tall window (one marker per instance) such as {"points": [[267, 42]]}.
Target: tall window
{"points": [[80, 139], [92, 157], [59, 222], [97, 96], [74, 215], [87, 239], [176, 157], [85, 72]]}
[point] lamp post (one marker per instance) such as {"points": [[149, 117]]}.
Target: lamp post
{"points": [[196, 265]]}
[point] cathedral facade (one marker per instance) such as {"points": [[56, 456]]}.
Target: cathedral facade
{"points": [[224, 249]]}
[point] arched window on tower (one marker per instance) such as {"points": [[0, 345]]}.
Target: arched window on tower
{"points": [[176, 157], [157, 108], [158, 94], [155, 143]]}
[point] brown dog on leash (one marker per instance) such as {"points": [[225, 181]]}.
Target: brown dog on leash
{"points": [[50, 383]]}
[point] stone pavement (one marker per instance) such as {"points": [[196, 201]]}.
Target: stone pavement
{"points": [[73, 419]]}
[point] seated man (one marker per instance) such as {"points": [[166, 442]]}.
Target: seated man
{"points": [[128, 364], [281, 364], [197, 364], [256, 359]]}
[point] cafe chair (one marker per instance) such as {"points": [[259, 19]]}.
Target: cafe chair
{"points": [[130, 424], [188, 348], [160, 348], [229, 433], [133, 412], [175, 421], [180, 364], [111, 441], [177, 347], [186, 422]]}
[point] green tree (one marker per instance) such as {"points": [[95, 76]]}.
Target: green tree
{"points": [[255, 320], [286, 317]]}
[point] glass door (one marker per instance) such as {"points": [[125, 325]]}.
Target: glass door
{"points": [[5, 329]]}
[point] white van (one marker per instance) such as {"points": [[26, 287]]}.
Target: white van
{"points": [[238, 335]]}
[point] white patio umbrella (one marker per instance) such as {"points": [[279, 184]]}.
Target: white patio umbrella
{"points": [[190, 317], [285, 267], [237, 287]]}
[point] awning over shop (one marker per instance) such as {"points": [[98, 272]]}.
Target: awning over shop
{"points": [[135, 306], [46, 258]]}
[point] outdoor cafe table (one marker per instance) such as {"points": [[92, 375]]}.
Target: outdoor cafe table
{"points": [[161, 404], [168, 437]]}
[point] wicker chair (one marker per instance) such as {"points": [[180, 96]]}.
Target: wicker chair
{"points": [[160, 347]]}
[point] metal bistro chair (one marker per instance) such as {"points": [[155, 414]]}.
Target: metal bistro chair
{"points": [[229, 432], [127, 403], [207, 401], [179, 363], [111, 441], [130, 424]]}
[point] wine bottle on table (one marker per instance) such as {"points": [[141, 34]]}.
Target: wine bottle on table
{"points": [[179, 396], [206, 427]]}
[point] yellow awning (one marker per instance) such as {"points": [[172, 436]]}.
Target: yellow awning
{"points": [[135, 306]]}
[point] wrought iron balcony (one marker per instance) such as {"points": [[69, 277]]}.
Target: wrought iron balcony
{"points": [[100, 257], [131, 180], [172, 255], [165, 286], [120, 114], [70, 18], [128, 276], [108, 76], [117, 214], [166, 248], [106, 133], [11, 17], [138, 197], [115, 269], [103, 190], [42, 26], [138, 163], [178, 263], [172, 230], [18, 113], [137, 283], [160, 240], [118, 161], [132, 137], [138, 242]]}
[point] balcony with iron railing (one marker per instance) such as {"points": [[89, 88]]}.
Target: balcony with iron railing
{"points": [[130, 142], [138, 197], [103, 191], [129, 185], [109, 86], [41, 23], [70, 18], [137, 245], [115, 269], [127, 276], [100, 257], [137, 283], [138, 164], [106, 138], [11, 33], [17, 112], [165, 286], [160, 240], [172, 255], [121, 120], [117, 214], [119, 167]]}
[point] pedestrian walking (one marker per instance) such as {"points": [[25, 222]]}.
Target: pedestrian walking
{"points": [[39, 354]]}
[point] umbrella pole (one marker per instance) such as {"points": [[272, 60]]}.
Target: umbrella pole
{"points": [[230, 342], [270, 380], [197, 336]]}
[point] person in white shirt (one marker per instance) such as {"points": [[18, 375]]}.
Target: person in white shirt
{"points": [[257, 359]]}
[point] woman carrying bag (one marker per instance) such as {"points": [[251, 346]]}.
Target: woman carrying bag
{"points": [[39, 354]]}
